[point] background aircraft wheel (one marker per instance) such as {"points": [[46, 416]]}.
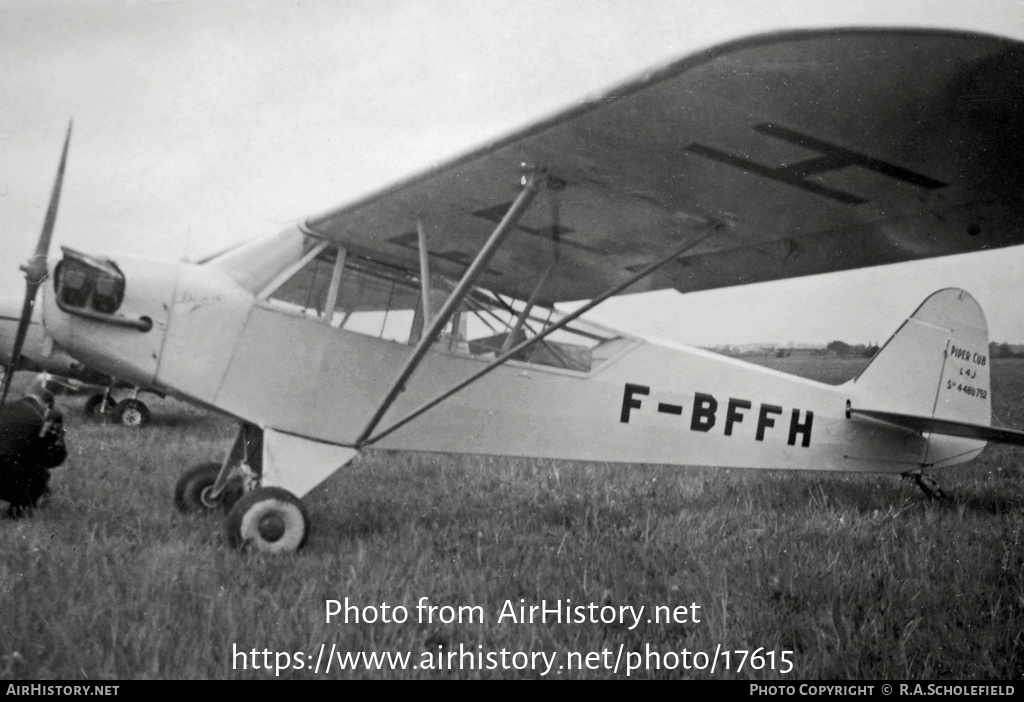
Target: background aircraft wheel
{"points": [[268, 519], [98, 405], [131, 413]]}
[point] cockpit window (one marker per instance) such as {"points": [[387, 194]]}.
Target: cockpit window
{"points": [[346, 291], [377, 300], [368, 298], [306, 290], [88, 282]]}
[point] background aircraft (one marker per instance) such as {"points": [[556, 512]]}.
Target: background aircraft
{"points": [[40, 355], [725, 168]]}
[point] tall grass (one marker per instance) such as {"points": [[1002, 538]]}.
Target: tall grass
{"points": [[860, 576]]}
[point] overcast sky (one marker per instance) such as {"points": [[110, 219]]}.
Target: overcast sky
{"points": [[200, 124]]}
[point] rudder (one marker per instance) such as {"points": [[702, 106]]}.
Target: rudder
{"points": [[935, 365]]}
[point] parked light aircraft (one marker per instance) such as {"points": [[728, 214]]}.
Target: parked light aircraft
{"points": [[421, 317], [40, 355]]}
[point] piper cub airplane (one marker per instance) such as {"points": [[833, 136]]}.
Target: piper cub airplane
{"points": [[421, 317]]}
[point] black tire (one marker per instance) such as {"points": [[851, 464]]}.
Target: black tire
{"points": [[98, 405], [131, 413], [271, 520], [189, 491]]}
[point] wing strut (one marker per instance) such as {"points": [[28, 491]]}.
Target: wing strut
{"points": [[534, 184], [332, 291], [676, 253], [421, 234], [555, 255]]}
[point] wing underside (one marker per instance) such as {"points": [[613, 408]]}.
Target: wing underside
{"points": [[800, 153]]}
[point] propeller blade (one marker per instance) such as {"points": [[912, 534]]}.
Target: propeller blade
{"points": [[19, 338], [35, 270]]}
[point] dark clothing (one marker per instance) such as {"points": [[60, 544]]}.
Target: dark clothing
{"points": [[31, 442]]}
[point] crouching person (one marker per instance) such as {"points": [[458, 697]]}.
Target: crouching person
{"points": [[31, 443]]}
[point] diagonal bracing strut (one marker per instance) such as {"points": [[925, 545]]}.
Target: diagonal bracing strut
{"points": [[534, 183], [676, 253]]}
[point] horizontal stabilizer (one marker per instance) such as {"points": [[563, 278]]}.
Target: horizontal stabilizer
{"points": [[949, 427]]}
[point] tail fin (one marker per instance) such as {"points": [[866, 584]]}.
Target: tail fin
{"points": [[935, 367]]}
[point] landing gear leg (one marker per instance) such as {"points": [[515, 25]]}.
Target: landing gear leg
{"points": [[100, 405], [927, 483], [209, 486]]}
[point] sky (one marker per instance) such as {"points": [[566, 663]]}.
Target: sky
{"points": [[198, 124]]}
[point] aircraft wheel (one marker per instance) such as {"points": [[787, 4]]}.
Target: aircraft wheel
{"points": [[192, 493], [268, 519], [98, 405], [131, 413]]}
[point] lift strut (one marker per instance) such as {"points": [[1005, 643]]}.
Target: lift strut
{"points": [[534, 184], [673, 255]]}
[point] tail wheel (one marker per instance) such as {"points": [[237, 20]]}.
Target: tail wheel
{"points": [[98, 405], [268, 519], [131, 413]]}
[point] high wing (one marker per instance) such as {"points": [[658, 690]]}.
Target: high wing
{"points": [[801, 152]]}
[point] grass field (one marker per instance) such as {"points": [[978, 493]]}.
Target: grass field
{"points": [[859, 576]]}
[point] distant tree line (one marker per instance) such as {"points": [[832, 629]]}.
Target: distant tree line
{"points": [[845, 350], [835, 348], [1004, 350], [841, 348]]}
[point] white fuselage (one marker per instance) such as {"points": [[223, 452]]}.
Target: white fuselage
{"points": [[215, 343]]}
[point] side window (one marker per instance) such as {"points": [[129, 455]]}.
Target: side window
{"points": [[352, 293], [345, 291], [496, 325], [306, 291], [376, 301]]}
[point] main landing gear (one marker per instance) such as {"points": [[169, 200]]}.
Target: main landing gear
{"points": [[196, 490], [99, 405], [129, 412], [268, 519]]}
